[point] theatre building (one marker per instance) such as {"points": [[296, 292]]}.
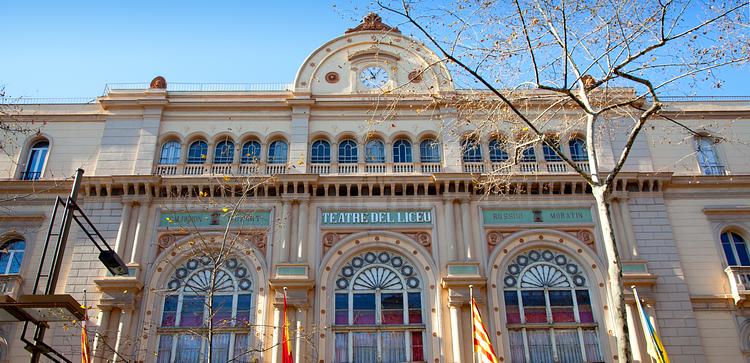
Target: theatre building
{"points": [[366, 209]]}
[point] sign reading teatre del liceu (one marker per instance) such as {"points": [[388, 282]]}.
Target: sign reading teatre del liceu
{"points": [[377, 217]]}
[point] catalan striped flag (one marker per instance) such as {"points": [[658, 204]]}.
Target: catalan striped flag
{"points": [[85, 351], [286, 346], [482, 344], [654, 346]]}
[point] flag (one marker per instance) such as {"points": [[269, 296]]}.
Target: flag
{"points": [[482, 344], [286, 347], [653, 344], [85, 351]]}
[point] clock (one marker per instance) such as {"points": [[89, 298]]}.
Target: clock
{"points": [[373, 77]]}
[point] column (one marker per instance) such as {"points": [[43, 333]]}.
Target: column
{"points": [[301, 230], [628, 227], [298, 337], [276, 335], [450, 226], [455, 332], [633, 322], [285, 230], [123, 331], [101, 335], [294, 231], [466, 229], [140, 231], [122, 231]]}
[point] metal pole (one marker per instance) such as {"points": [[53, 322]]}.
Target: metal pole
{"points": [[473, 338], [58, 257]]}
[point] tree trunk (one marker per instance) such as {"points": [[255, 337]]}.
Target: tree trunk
{"points": [[614, 272]]}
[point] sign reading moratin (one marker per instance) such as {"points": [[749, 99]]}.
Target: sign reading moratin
{"points": [[414, 217], [254, 218], [537, 216]]}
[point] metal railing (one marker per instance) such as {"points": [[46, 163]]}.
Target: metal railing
{"points": [[47, 101], [205, 87]]}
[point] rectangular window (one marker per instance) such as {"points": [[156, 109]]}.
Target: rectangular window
{"points": [[365, 347], [244, 310], [517, 351], [188, 348], [534, 306], [342, 309], [394, 347], [568, 345], [561, 304], [415, 308], [591, 345], [417, 346], [222, 311], [192, 311], [341, 354], [364, 309], [241, 353], [512, 313], [584, 306], [220, 348], [392, 308], [165, 349], [170, 311], [540, 345]]}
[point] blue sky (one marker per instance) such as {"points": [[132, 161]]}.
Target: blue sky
{"points": [[73, 48]]}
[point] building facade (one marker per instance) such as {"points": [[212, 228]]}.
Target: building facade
{"points": [[369, 215]]}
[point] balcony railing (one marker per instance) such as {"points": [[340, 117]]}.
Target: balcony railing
{"points": [[525, 167], [273, 169], [739, 282]]}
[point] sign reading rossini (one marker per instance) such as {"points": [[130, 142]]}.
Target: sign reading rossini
{"points": [[248, 218], [377, 217], [536, 216]]}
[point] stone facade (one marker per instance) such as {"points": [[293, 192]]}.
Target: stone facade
{"points": [[334, 231]]}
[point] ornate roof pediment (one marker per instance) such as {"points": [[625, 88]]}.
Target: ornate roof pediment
{"points": [[372, 21]]}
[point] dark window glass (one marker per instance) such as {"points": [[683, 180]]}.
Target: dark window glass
{"points": [[549, 152], [192, 311], [348, 152], [37, 158], [244, 309], [415, 308], [584, 306], [250, 152], [224, 153], [222, 310], [170, 153], [472, 151], [561, 305], [528, 155], [402, 151], [512, 312], [364, 308], [170, 311], [497, 151], [429, 151], [342, 309], [392, 308], [534, 306], [578, 150], [321, 152], [277, 152], [374, 152], [197, 152]]}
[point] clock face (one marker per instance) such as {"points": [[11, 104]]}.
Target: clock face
{"points": [[373, 77]]}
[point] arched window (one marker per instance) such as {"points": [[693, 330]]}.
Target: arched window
{"points": [[348, 152], [378, 310], [186, 311], [170, 153], [472, 151], [197, 152], [708, 159], [320, 152], [549, 151], [735, 249], [250, 152], [497, 151], [277, 152], [548, 310], [578, 150], [224, 153], [528, 155], [37, 159], [429, 151], [402, 151], [11, 256], [374, 152]]}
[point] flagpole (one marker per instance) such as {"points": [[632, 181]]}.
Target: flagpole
{"points": [[471, 311]]}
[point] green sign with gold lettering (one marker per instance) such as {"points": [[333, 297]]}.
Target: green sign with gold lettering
{"points": [[537, 216], [254, 218]]}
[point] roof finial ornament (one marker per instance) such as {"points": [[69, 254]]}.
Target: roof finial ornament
{"points": [[158, 82], [373, 21]]}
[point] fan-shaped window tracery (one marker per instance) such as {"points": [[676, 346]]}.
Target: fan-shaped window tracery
{"points": [[202, 297], [548, 309], [378, 310]]}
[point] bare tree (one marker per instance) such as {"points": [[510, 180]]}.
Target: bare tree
{"points": [[534, 66]]}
